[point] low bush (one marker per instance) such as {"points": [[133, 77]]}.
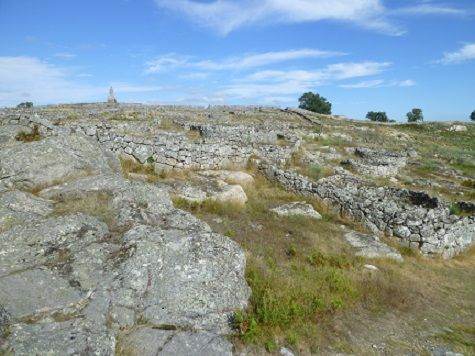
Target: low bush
{"points": [[34, 135]]}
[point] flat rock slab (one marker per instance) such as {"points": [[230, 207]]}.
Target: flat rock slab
{"points": [[151, 342], [215, 190], [187, 280], [26, 293], [68, 338], [17, 207], [25, 246], [231, 177], [369, 246], [53, 159], [297, 209]]}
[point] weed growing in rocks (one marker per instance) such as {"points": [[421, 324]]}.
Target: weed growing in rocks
{"points": [[34, 135], [131, 167]]}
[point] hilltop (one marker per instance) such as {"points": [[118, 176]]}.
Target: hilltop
{"points": [[134, 229]]}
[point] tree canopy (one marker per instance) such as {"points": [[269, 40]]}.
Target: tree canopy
{"points": [[378, 116], [26, 104], [472, 115], [415, 115], [316, 103]]}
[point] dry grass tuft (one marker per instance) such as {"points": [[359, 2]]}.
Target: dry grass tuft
{"points": [[131, 166], [96, 204], [34, 135]]}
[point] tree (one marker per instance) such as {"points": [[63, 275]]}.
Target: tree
{"points": [[472, 116], [316, 103], [378, 116], [415, 115], [25, 105]]}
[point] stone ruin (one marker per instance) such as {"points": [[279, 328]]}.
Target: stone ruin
{"points": [[219, 138]]}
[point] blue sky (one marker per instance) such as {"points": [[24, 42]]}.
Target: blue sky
{"points": [[363, 55]]}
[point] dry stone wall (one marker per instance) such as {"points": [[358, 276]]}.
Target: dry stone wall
{"points": [[418, 220]]}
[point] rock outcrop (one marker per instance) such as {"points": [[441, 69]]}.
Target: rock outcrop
{"points": [[74, 283]]}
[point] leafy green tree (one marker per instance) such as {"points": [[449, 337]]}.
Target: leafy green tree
{"points": [[25, 105], [316, 103], [472, 116], [415, 115], [378, 116]]}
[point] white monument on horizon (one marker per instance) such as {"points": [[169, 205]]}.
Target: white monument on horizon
{"points": [[111, 99]]}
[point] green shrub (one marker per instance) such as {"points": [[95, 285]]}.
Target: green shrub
{"points": [[34, 135], [455, 209]]}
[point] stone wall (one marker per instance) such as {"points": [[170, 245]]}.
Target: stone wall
{"points": [[215, 146], [416, 219]]}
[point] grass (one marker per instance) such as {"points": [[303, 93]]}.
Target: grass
{"points": [[131, 166], [34, 135], [301, 271], [462, 336], [315, 171], [96, 205]]}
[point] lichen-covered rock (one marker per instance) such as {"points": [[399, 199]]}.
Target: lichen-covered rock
{"points": [[230, 194], [230, 177], [47, 241], [369, 246], [182, 279], [35, 291], [9, 132], [145, 341], [72, 337], [52, 160], [17, 207], [5, 319], [297, 208]]}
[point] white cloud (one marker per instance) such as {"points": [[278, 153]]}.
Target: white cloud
{"points": [[65, 55], [338, 71], [429, 9], [364, 84], [467, 52], [379, 83], [172, 61], [276, 83], [226, 16], [29, 78]]}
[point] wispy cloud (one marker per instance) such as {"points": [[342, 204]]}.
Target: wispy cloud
{"points": [[265, 84], [430, 9], [65, 55], [466, 53], [29, 78], [332, 72], [379, 83], [225, 16], [173, 60]]}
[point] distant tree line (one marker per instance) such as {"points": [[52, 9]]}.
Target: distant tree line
{"points": [[317, 103]]}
